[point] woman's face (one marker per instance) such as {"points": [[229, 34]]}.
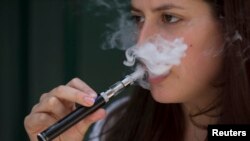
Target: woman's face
{"points": [[192, 20]]}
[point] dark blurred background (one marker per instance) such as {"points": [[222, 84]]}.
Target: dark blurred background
{"points": [[46, 43]]}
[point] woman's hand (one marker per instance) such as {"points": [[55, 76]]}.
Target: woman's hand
{"points": [[58, 103]]}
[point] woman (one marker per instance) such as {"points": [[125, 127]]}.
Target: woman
{"points": [[211, 86]]}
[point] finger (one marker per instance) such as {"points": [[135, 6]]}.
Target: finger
{"points": [[73, 95], [37, 122], [53, 106], [43, 96], [79, 84], [46, 96], [82, 86]]}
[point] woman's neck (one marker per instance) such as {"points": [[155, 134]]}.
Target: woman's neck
{"points": [[199, 113], [196, 125]]}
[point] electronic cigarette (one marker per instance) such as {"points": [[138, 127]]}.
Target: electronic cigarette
{"points": [[81, 112]]}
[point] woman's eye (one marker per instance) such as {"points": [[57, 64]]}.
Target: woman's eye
{"points": [[166, 18], [138, 19]]}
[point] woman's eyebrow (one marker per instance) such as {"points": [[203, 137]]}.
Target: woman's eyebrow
{"points": [[134, 9], [166, 7]]}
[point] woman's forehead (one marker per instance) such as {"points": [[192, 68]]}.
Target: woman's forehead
{"points": [[185, 6], [153, 4]]}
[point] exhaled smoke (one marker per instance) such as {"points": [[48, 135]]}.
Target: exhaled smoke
{"points": [[237, 36], [124, 33], [157, 55], [103, 3], [111, 4], [121, 33]]}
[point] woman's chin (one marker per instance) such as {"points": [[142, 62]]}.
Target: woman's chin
{"points": [[162, 95]]}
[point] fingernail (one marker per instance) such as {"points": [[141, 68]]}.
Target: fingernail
{"points": [[93, 95], [89, 100]]}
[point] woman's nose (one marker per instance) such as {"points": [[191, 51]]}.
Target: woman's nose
{"points": [[146, 31]]}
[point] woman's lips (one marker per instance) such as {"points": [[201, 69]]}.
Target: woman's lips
{"points": [[157, 79]]}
